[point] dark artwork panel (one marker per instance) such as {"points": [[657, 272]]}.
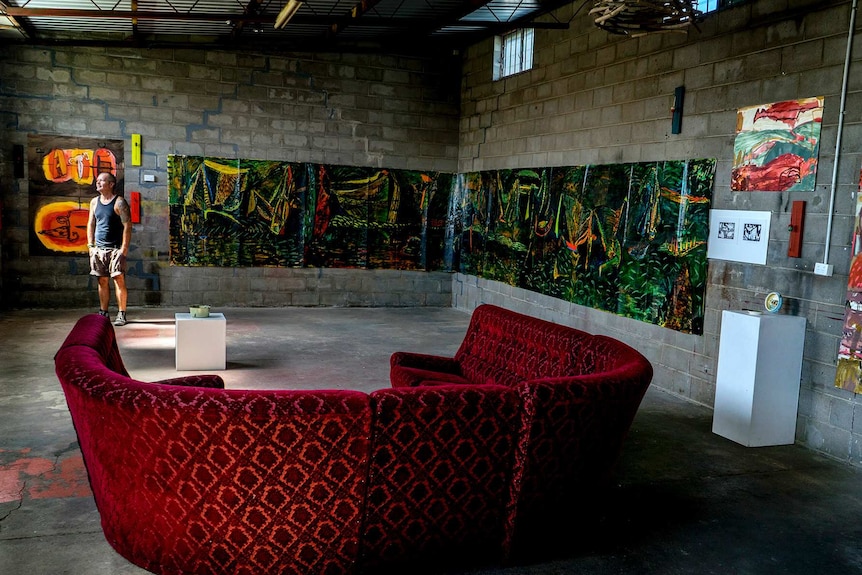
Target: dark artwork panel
{"points": [[436, 239], [626, 238], [663, 280], [342, 207], [233, 213], [473, 195], [559, 266], [598, 235], [629, 239], [508, 232], [378, 218]]}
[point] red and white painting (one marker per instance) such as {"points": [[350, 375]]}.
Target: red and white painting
{"points": [[777, 146]]}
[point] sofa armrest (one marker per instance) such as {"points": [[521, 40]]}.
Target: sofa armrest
{"points": [[572, 433], [177, 472], [409, 369], [204, 380]]}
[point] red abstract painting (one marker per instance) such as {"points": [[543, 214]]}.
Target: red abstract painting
{"points": [[777, 146]]}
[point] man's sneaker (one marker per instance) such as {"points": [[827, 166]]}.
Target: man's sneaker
{"points": [[103, 313], [121, 318]]}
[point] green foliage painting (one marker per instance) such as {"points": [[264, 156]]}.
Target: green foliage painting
{"points": [[626, 238], [235, 213]]}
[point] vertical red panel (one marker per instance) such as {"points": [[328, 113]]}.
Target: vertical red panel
{"points": [[797, 215], [135, 205]]}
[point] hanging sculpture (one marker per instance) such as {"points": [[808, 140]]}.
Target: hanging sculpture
{"points": [[638, 17]]}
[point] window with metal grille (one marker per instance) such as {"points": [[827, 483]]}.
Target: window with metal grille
{"points": [[513, 53]]}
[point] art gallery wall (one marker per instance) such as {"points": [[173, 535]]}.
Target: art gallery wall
{"points": [[598, 99], [592, 99], [369, 111]]}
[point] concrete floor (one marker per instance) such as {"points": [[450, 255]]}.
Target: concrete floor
{"points": [[686, 500]]}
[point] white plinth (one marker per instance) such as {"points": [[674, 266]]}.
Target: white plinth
{"points": [[757, 382], [200, 342]]}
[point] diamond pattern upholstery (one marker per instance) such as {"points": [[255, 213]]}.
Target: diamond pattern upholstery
{"points": [[500, 347], [440, 468], [207, 480], [578, 396], [472, 456]]}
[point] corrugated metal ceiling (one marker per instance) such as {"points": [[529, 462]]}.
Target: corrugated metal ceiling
{"points": [[401, 26]]}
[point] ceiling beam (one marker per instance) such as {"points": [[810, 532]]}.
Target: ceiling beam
{"points": [[406, 23], [24, 29], [357, 12]]}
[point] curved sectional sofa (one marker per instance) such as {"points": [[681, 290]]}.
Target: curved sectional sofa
{"points": [[466, 456]]}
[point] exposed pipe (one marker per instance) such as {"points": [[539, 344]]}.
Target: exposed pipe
{"points": [[841, 113]]}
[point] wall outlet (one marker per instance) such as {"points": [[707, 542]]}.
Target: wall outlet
{"points": [[822, 269]]}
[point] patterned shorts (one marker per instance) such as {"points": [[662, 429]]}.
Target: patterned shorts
{"points": [[107, 262]]}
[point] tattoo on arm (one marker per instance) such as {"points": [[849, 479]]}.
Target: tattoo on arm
{"points": [[122, 209]]}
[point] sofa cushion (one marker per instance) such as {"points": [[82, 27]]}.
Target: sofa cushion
{"points": [[408, 369], [401, 376], [197, 380]]}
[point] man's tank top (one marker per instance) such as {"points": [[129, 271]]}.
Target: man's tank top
{"points": [[109, 226]]}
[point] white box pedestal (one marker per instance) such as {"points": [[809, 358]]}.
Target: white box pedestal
{"points": [[757, 382], [200, 341]]}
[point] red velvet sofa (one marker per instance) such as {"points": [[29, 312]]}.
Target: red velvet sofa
{"points": [[462, 457]]}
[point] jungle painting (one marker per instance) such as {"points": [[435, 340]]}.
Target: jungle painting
{"points": [[625, 238], [629, 239], [269, 213]]}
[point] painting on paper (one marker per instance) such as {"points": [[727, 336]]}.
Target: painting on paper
{"points": [[849, 373], [62, 176], [234, 212], [625, 238], [630, 239], [777, 146]]}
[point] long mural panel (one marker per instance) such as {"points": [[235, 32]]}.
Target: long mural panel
{"points": [[629, 239], [229, 213], [625, 238]]}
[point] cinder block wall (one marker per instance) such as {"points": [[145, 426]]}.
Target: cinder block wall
{"points": [[597, 98], [360, 110]]}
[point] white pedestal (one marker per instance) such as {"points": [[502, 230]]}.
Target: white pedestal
{"points": [[200, 342], [757, 382]]}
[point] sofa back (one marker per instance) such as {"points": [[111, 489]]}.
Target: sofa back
{"points": [[438, 482], [506, 347], [97, 333], [572, 433], [207, 480]]}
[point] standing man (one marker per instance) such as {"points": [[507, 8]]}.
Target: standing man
{"points": [[109, 232]]}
